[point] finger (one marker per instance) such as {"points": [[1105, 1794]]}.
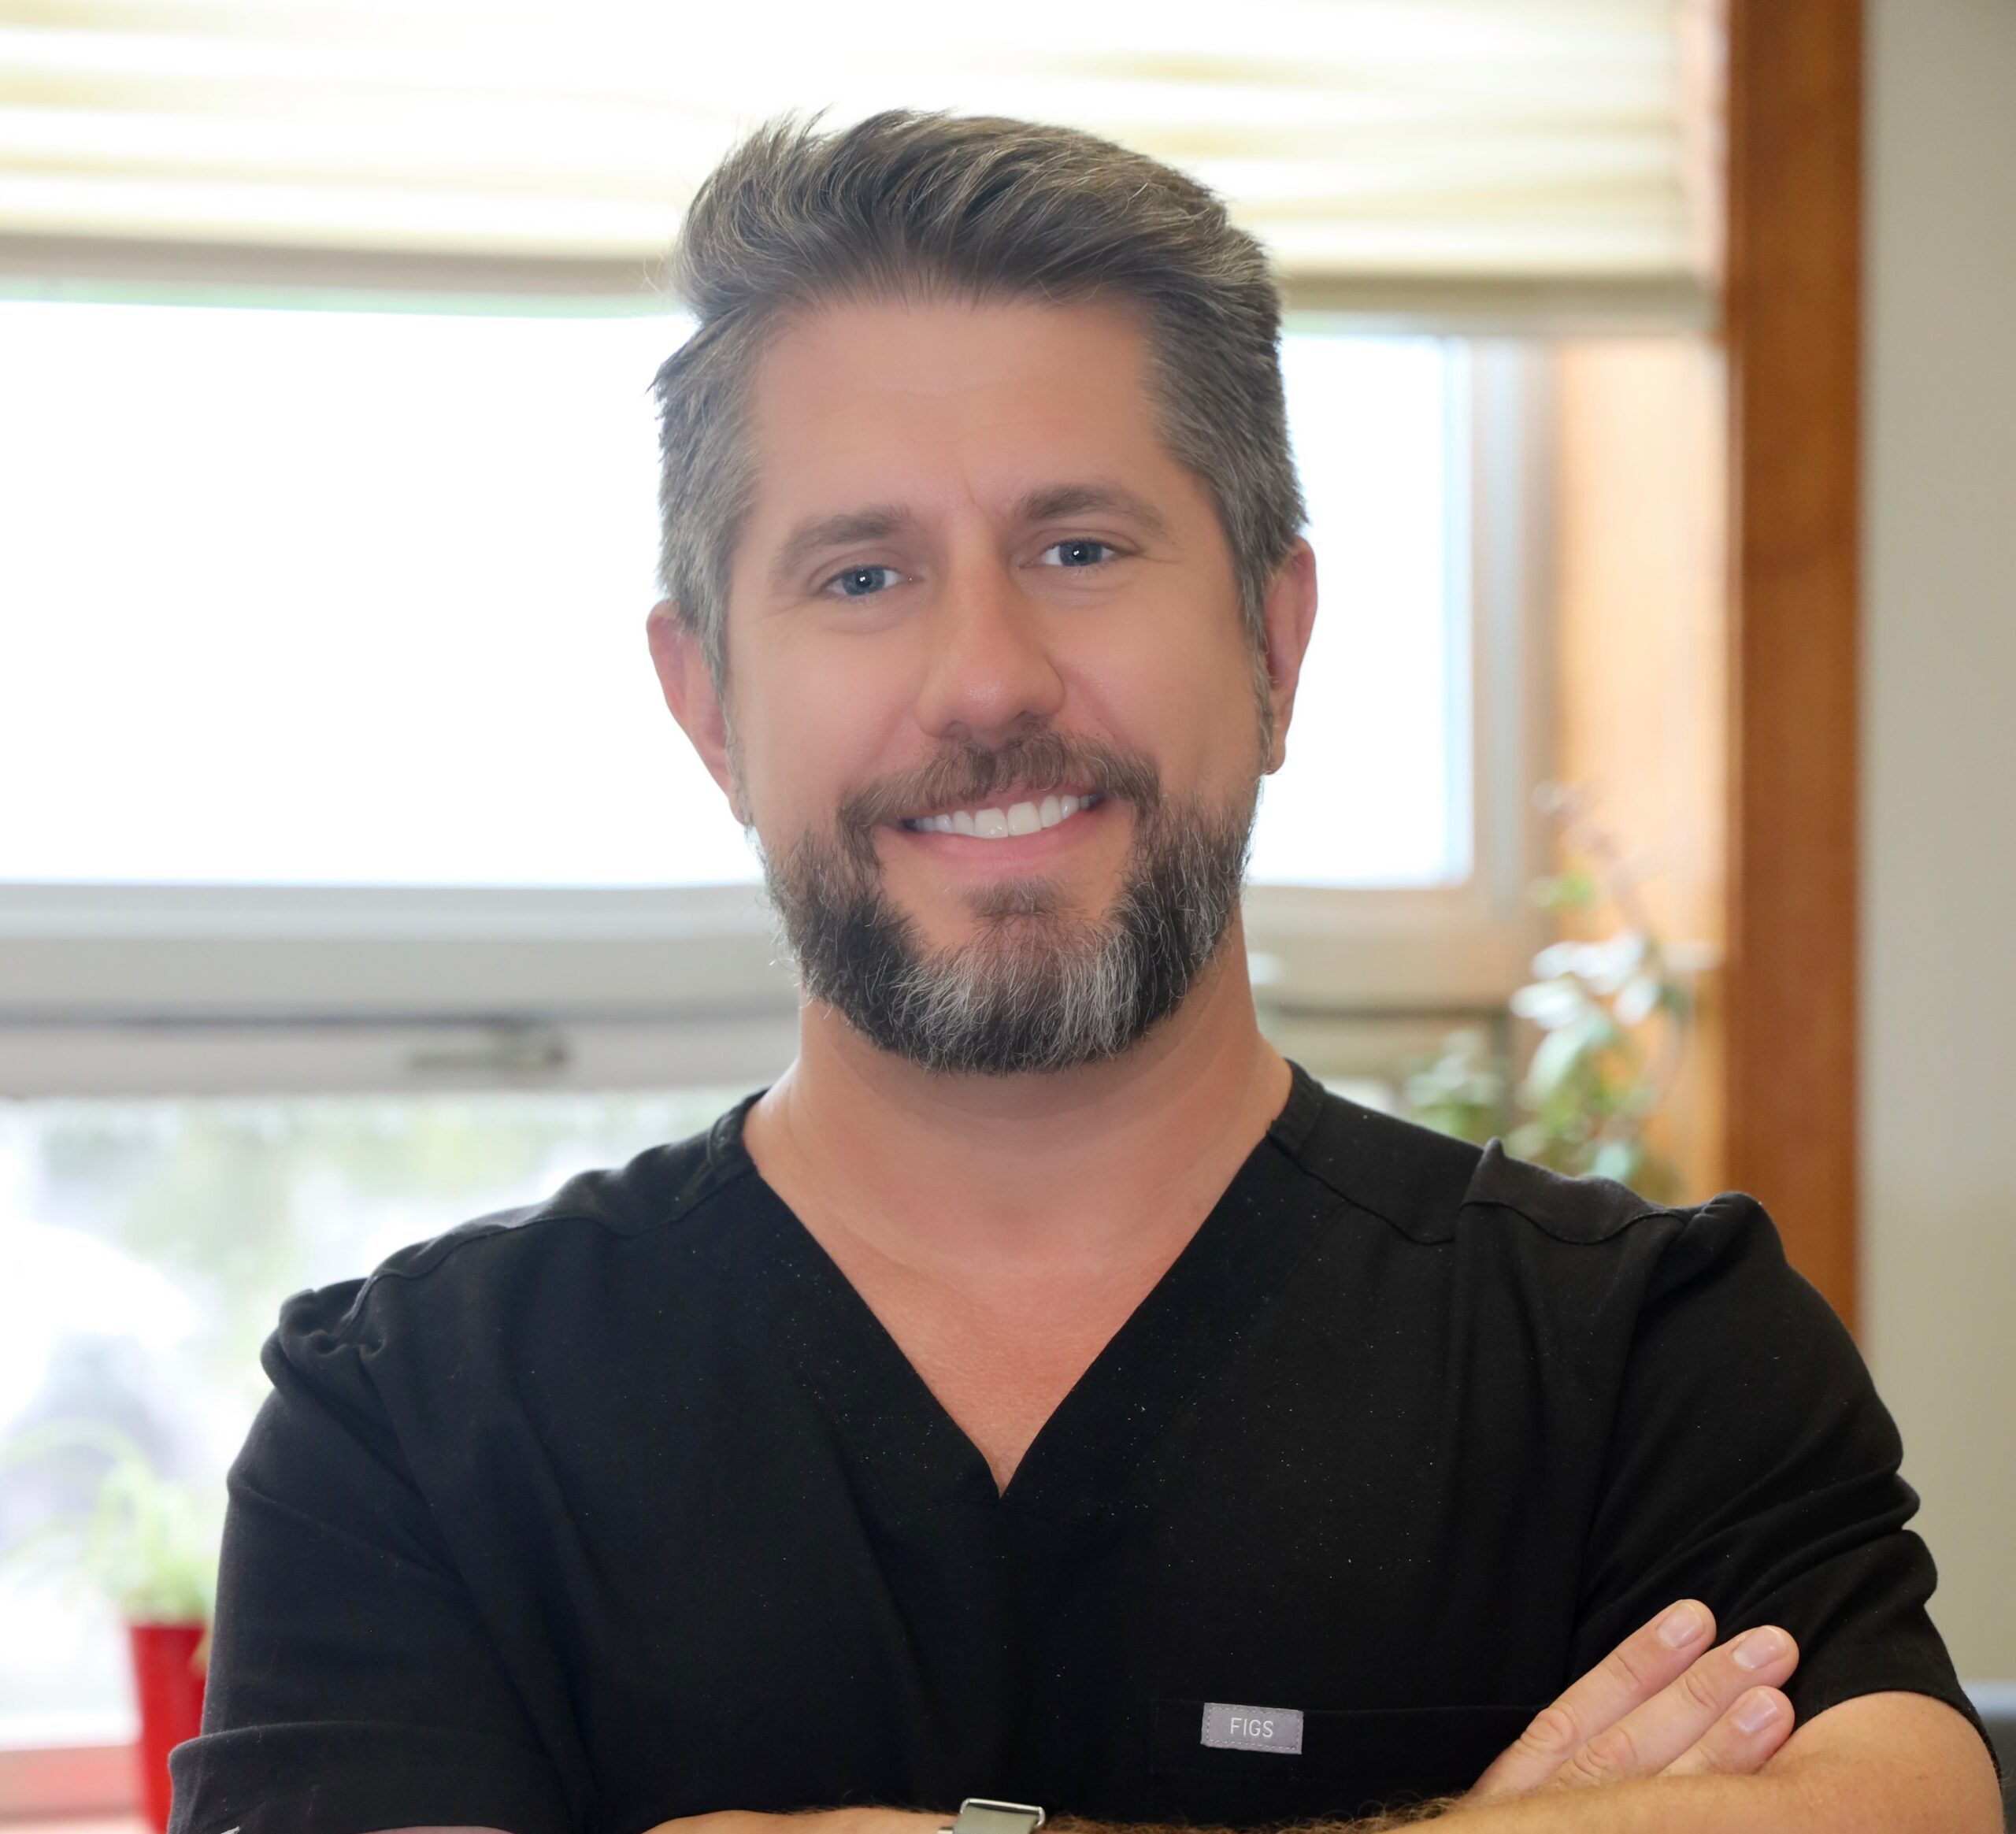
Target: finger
{"points": [[1742, 1740], [1649, 1659], [1649, 1737]]}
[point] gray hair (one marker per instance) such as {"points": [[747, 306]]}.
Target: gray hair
{"points": [[912, 205]]}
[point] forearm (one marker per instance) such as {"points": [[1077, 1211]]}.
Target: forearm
{"points": [[1413, 1817], [1798, 1802]]}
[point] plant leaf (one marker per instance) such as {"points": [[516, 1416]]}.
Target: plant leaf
{"points": [[1637, 999]]}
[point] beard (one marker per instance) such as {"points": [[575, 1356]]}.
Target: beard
{"points": [[1042, 987]]}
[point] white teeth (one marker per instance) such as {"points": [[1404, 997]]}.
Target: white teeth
{"points": [[996, 824]]}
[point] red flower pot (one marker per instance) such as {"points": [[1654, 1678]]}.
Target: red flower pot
{"points": [[167, 1678]]}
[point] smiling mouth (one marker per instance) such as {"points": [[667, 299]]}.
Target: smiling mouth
{"points": [[1008, 821]]}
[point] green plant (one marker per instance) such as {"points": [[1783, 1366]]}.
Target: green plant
{"points": [[1462, 1092], [1614, 1015], [147, 1546]]}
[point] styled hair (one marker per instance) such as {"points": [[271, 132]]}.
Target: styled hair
{"points": [[921, 205]]}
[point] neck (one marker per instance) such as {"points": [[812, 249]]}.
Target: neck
{"points": [[965, 1176]]}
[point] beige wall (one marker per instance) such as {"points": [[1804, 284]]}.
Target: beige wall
{"points": [[1939, 863]]}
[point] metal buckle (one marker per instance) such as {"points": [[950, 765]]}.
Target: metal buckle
{"points": [[983, 1815]]}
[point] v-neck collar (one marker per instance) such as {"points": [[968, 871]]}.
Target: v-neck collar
{"points": [[1086, 1463]]}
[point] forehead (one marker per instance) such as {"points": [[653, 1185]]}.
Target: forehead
{"points": [[941, 404]]}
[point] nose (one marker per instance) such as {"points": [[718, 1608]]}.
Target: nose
{"points": [[988, 666]]}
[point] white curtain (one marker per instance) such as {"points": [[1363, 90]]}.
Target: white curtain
{"points": [[1517, 154]]}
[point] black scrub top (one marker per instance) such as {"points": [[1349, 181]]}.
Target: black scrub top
{"points": [[583, 1517]]}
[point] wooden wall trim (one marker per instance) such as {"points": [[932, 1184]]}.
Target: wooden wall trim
{"points": [[1794, 335]]}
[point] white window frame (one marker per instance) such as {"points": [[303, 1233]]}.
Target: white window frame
{"points": [[146, 990]]}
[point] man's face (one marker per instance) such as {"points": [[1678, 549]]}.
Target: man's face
{"points": [[973, 583]]}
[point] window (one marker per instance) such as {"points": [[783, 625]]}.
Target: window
{"points": [[363, 591], [338, 774], [324, 696]]}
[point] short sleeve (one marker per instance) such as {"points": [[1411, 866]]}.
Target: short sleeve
{"points": [[1752, 1465], [352, 1684]]}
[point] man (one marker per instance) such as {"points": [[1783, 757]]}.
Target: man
{"points": [[1043, 1391]]}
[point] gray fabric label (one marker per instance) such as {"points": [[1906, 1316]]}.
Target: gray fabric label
{"points": [[1253, 1728]]}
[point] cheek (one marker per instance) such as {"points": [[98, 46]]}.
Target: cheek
{"points": [[1185, 696], [817, 725]]}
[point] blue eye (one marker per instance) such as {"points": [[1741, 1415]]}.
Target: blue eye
{"points": [[859, 582], [1079, 553]]}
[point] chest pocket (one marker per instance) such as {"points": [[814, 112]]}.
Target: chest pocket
{"points": [[1350, 1763]]}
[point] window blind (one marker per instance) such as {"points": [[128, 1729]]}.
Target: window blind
{"points": [[1508, 156]]}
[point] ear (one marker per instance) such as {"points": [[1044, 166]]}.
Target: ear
{"points": [[688, 686], [1290, 617]]}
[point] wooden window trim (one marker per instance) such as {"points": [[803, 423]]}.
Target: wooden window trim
{"points": [[1793, 319]]}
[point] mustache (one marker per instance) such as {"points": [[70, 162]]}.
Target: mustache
{"points": [[1043, 761]]}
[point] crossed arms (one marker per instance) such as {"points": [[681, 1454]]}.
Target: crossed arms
{"points": [[1669, 1734]]}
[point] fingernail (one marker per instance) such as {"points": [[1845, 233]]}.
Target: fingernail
{"points": [[1759, 1647], [1755, 1711], [1681, 1626]]}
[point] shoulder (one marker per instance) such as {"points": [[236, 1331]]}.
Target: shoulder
{"points": [[1686, 1312], [667, 1198], [1439, 1191]]}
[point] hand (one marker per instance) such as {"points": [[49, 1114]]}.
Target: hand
{"points": [[824, 1822], [1662, 1703]]}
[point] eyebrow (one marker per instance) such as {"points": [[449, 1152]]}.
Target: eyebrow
{"points": [[877, 521], [1053, 501], [818, 533]]}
